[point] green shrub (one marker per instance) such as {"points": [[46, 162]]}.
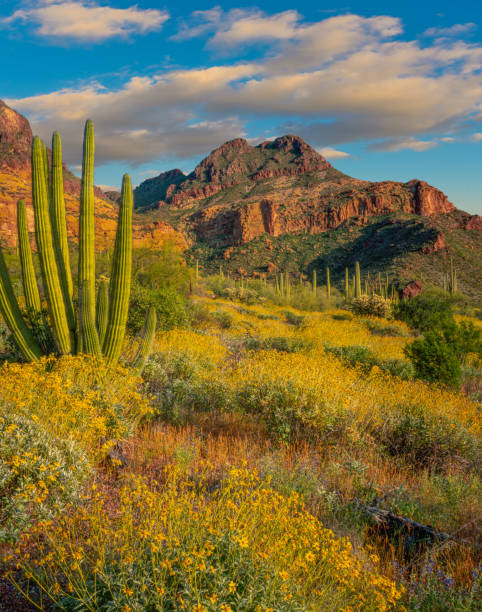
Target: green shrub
{"points": [[39, 474], [284, 344], [425, 439], [223, 318], [363, 358], [378, 328], [293, 318], [171, 307], [180, 383], [430, 310], [373, 305]]}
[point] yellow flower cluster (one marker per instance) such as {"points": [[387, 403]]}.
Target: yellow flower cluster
{"points": [[184, 545], [75, 398]]}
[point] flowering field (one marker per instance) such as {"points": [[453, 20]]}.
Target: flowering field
{"points": [[241, 472]]}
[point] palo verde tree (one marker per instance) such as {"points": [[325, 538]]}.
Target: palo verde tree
{"points": [[92, 329]]}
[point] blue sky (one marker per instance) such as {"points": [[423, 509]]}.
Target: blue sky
{"points": [[383, 90]]}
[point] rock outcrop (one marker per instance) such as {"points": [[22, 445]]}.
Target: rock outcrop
{"points": [[240, 192], [15, 177]]}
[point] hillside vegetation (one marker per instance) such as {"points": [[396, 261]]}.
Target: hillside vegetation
{"points": [[249, 469]]}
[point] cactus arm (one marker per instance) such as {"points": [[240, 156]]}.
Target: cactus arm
{"points": [[102, 309], [59, 228], [147, 340], [90, 339], [86, 272], [30, 288], [13, 317], [119, 288], [43, 234]]}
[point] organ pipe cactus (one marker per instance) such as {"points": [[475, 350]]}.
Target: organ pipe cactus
{"points": [[102, 309], [94, 331], [120, 285], [358, 290], [30, 288]]}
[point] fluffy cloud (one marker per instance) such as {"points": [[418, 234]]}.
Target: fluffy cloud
{"points": [[332, 153], [342, 79], [455, 30], [400, 144], [477, 137], [87, 21]]}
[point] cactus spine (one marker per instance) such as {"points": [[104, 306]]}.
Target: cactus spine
{"points": [[30, 288], [119, 288], [102, 309], [147, 340], [59, 228], [358, 290], [43, 234]]}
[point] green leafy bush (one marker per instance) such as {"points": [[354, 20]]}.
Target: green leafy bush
{"points": [[438, 357], [171, 307], [430, 310]]}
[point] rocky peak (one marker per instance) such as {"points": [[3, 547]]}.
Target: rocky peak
{"points": [[15, 138]]}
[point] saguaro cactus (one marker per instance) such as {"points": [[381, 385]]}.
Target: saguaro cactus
{"points": [[347, 284], [314, 288], [328, 283], [105, 328]]}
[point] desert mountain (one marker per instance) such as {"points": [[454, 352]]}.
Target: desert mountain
{"points": [[15, 184], [282, 205]]}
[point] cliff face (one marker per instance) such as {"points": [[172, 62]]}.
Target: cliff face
{"points": [[15, 184], [239, 192]]}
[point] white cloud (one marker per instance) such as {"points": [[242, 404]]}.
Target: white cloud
{"points": [[399, 145], [339, 80], [331, 153], [87, 21], [477, 137], [455, 30], [447, 139]]}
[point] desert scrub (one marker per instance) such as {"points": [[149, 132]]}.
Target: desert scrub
{"points": [[363, 358], [80, 399], [373, 305], [180, 383], [241, 547], [39, 474]]}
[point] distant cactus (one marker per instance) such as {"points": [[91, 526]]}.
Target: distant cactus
{"points": [[358, 290], [328, 283], [347, 284], [90, 332], [314, 287]]}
